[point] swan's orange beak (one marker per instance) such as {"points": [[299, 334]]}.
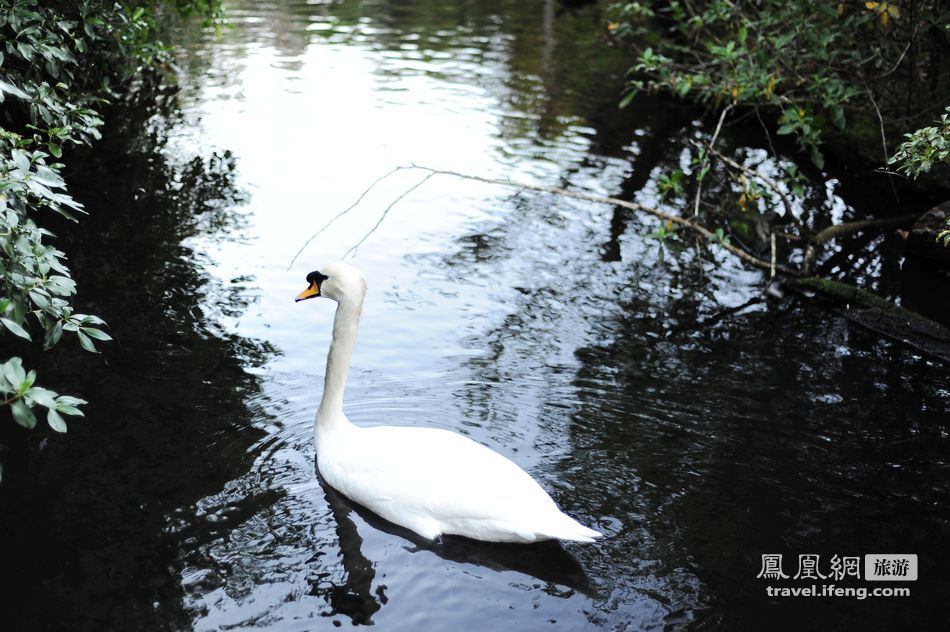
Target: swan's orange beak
{"points": [[310, 292]]}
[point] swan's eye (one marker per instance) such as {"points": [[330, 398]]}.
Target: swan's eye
{"points": [[316, 277]]}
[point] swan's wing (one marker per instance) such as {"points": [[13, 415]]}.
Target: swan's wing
{"points": [[434, 480]]}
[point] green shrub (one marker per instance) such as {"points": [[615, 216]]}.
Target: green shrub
{"points": [[60, 62], [924, 148], [813, 63]]}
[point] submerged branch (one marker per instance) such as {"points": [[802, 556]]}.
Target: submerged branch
{"points": [[840, 230]]}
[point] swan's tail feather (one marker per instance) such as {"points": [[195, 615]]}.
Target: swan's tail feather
{"points": [[585, 535], [573, 531]]}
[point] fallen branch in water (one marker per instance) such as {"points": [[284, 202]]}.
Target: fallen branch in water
{"points": [[522, 186], [885, 318], [839, 230], [813, 248], [879, 315]]}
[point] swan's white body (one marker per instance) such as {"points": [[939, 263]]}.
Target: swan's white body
{"points": [[428, 480]]}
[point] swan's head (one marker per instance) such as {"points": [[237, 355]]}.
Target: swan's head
{"points": [[338, 281]]}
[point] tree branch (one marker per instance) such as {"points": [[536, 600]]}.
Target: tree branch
{"points": [[386, 212], [705, 161], [344, 212], [839, 230], [772, 184], [597, 199]]}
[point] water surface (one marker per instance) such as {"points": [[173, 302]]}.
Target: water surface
{"points": [[657, 396]]}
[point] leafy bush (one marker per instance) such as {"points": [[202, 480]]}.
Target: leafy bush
{"points": [[60, 62], [813, 63], [860, 72], [924, 148]]}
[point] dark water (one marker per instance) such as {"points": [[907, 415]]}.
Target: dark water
{"points": [[658, 398]]}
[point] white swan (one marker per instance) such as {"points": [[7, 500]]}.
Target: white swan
{"points": [[428, 480]]}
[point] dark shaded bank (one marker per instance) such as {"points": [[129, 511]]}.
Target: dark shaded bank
{"points": [[83, 517]]}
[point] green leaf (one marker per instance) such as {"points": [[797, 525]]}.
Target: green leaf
{"points": [[47, 176], [98, 334], [89, 319], [627, 98], [783, 40], [55, 421], [23, 415], [12, 89], [53, 335], [837, 117], [41, 396], [13, 372], [39, 299], [60, 285], [21, 160], [86, 342], [55, 149], [66, 409], [15, 329], [41, 190]]}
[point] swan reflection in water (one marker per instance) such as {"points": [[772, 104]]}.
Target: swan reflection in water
{"points": [[355, 598]]}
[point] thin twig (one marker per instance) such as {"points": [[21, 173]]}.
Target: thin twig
{"points": [[705, 161], [343, 212], [880, 120], [772, 184], [901, 58], [765, 129], [772, 269], [514, 195], [386, 212]]}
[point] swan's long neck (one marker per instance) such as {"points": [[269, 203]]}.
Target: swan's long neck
{"points": [[345, 325]]}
